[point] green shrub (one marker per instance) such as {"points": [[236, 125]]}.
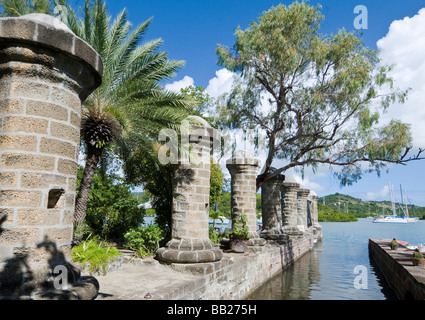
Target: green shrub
{"points": [[97, 254], [111, 208], [144, 240], [215, 236], [240, 230]]}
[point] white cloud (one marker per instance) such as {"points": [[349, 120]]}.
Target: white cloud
{"points": [[382, 194], [180, 84], [221, 83], [404, 46]]}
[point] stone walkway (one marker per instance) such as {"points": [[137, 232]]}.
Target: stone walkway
{"points": [[144, 279]]}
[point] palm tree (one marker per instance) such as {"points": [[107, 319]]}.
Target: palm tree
{"points": [[130, 102], [17, 8]]}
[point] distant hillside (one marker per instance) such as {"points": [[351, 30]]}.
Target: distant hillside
{"points": [[360, 208]]}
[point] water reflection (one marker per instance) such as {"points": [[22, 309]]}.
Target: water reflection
{"points": [[328, 271], [296, 282]]}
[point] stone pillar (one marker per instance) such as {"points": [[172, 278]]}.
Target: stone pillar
{"points": [[190, 241], [243, 168], [317, 228], [303, 194], [271, 207], [290, 205], [45, 74]]}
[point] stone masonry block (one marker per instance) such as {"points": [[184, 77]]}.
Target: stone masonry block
{"points": [[7, 216], [46, 110], [20, 29], [56, 147], [11, 106], [8, 179], [19, 237], [25, 124], [33, 217], [16, 198], [18, 70], [75, 119], [61, 235], [67, 167], [29, 89], [41, 180], [21, 143], [61, 97], [63, 40], [27, 161]]}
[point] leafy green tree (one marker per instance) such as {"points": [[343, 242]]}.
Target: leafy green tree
{"points": [[216, 183], [331, 214], [317, 98], [130, 107]]}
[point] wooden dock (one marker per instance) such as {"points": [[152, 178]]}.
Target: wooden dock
{"points": [[407, 281]]}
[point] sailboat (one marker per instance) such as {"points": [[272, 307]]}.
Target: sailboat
{"points": [[404, 210]]}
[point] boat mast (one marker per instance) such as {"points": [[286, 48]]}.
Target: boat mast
{"points": [[392, 199], [405, 203]]}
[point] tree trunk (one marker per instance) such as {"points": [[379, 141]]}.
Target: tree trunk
{"points": [[93, 157]]}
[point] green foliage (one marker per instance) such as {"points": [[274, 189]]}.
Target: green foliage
{"points": [[240, 229], [215, 215], [363, 209], [224, 203], [96, 253], [215, 236], [258, 202], [111, 209], [216, 183], [158, 180], [16, 8], [144, 240], [331, 214]]}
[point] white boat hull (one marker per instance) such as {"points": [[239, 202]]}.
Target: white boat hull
{"points": [[394, 219]]}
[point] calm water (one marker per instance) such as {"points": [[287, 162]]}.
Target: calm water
{"points": [[327, 272]]}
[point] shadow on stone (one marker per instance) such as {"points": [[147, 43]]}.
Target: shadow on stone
{"points": [[57, 280]]}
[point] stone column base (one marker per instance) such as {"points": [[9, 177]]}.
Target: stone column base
{"points": [[267, 233], [255, 240], [189, 251], [293, 231], [317, 231], [276, 238], [252, 242]]}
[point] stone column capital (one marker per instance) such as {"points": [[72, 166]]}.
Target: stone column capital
{"points": [[290, 183], [243, 161], [47, 32], [304, 192]]}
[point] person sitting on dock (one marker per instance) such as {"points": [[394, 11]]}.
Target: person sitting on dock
{"points": [[394, 244], [417, 254]]}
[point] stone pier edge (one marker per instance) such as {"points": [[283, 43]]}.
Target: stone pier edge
{"points": [[405, 280], [235, 276]]}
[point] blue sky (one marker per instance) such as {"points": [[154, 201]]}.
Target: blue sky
{"points": [[191, 30]]}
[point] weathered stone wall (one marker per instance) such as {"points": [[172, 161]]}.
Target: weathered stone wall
{"points": [[45, 74], [236, 275]]}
